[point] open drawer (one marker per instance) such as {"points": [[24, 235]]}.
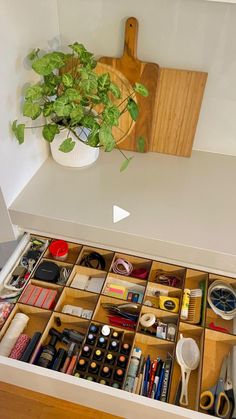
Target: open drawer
{"points": [[157, 290]]}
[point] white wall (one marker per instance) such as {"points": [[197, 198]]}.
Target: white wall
{"points": [[191, 34], [24, 24]]}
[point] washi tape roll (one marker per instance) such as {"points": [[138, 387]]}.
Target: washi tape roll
{"points": [[122, 267], [15, 329], [19, 347], [147, 319]]}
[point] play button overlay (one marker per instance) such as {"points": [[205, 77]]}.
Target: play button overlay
{"points": [[119, 214]]}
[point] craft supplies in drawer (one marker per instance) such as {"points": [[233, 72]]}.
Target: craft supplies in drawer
{"points": [[124, 321]]}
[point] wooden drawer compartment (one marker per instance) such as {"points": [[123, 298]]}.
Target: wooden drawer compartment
{"points": [[213, 345]]}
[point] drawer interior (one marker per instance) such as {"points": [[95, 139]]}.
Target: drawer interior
{"points": [[92, 294]]}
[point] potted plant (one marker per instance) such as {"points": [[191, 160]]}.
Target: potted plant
{"points": [[79, 106]]}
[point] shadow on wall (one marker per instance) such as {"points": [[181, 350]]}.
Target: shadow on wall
{"points": [[5, 251]]}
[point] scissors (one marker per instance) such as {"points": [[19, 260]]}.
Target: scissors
{"points": [[219, 400]]}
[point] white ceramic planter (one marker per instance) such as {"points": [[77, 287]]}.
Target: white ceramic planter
{"points": [[82, 155]]}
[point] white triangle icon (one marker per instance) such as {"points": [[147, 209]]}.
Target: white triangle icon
{"points": [[119, 214]]}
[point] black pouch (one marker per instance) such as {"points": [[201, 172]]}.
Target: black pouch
{"points": [[47, 271]]}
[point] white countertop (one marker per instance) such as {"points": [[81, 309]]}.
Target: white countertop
{"points": [[181, 209]]}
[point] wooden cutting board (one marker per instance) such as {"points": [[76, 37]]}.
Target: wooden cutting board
{"points": [[168, 117], [177, 109], [137, 71]]}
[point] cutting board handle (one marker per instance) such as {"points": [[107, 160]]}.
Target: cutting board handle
{"points": [[131, 37]]}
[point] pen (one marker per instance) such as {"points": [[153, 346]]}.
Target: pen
{"points": [[159, 386], [152, 376], [156, 379], [138, 374], [146, 377]]}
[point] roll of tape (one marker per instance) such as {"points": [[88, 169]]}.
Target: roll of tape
{"points": [[15, 329], [148, 319], [122, 267]]}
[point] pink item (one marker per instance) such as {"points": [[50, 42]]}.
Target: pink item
{"points": [[19, 347]]}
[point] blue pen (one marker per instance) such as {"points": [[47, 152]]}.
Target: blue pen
{"points": [[147, 369], [158, 392]]}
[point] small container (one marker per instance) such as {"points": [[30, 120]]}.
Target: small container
{"points": [[106, 371], [115, 335], [98, 355], [115, 385], [91, 339], [86, 351], [102, 382], [105, 330], [110, 359], [119, 374], [59, 250], [122, 361], [125, 349], [82, 364], [114, 345], [102, 342], [90, 378], [93, 367], [93, 328]]}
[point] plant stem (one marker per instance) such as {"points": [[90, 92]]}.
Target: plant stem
{"points": [[130, 95], [123, 154], [39, 126]]}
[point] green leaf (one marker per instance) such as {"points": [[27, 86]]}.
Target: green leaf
{"points": [[114, 89], [62, 107], [67, 145], [89, 121], [47, 109], [132, 108], [52, 80], [105, 99], [111, 115], [93, 138], [49, 62], [141, 89], [34, 92], [141, 145], [72, 94], [33, 54], [76, 114], [88, 82], [125, 164], [106, 138], [104, 82], [67, 80], [49, 132], [78, 48], [19, 131], [86, 57], [32, 110]]}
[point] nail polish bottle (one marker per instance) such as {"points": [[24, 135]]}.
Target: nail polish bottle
{"points": [[91, 339], [86, 351], [121, 362], [125, 349], [93, 329], [114, 345], [102, 342], [98, 355], [81, 364], [110, 359], [106, 372], [93, 367], [119, 374]]}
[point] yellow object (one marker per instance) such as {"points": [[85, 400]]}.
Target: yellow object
{"points": [[117, 291], [185, 304], [169, 303]]}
